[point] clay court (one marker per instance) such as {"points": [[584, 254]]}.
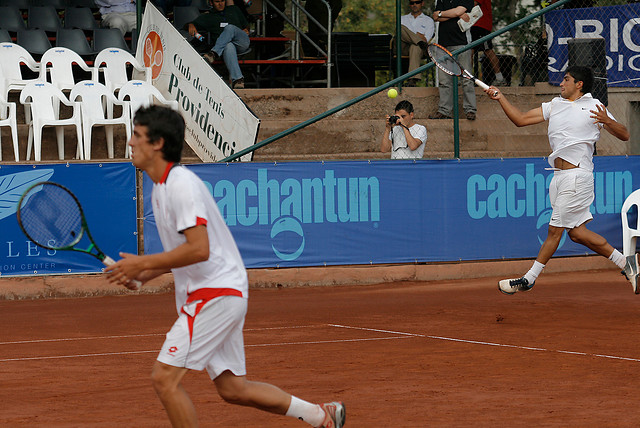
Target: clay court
{"points": [[403, 354]]}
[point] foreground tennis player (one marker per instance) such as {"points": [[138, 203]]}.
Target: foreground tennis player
{"points": [[575, 120], [211, 285]]}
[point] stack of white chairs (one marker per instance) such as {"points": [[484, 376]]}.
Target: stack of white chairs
{"points": [[90, 101], [94, 95], [43, 99]]}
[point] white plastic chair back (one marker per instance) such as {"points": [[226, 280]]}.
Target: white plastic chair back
{"points": [[95, 97], [11, 56], [8, 118], [58, 62], [115, 63], [43, 100], [629, 235]]}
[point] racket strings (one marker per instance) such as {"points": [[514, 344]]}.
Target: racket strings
{"points": [[51, 217], [444, 60]]}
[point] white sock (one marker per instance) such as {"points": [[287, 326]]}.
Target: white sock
{"points": [[307, 412], [499, 76], [618, 258], [534, 272]]}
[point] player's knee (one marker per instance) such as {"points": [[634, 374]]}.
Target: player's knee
{"points": [[161, 381]]}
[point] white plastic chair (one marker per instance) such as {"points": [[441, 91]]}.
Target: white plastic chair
{"points": [[629, 235], [11, 56], [8, 118], [113, 63], [43, 100], [142, 94], [94, 95], [58, 62]]}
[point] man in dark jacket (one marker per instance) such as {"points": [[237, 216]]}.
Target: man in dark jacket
{"points": [[229, 31]]}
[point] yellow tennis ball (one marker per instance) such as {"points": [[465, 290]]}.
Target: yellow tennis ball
{"points": [[392, 93]]}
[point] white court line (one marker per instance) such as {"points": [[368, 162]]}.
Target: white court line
{"points": [[127, 336], [477, 342], [396, 335]]}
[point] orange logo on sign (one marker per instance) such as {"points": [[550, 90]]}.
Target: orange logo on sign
{"points": [[153, 53]]}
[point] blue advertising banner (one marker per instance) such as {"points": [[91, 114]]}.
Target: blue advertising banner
{"points": [[107, 193], [618, 25], [362, 212]]}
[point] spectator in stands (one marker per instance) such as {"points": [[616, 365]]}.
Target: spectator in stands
{"points": [[229, 32], [417, 31], [404, 138], [447, 14], [166, 6], [483, 27], [120, 14]]}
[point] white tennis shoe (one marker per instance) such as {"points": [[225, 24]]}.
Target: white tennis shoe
{"points": [[631, 272], [510, 286], [335, 415]]}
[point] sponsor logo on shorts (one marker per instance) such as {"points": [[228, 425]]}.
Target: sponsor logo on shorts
{"points": [[173, 350]]}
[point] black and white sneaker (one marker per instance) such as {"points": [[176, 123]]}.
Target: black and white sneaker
{"points": [[630, 271], [510, 286]]}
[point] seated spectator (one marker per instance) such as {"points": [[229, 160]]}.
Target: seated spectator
{"points": [[229, 33], [404, 138], [120, 14], [417, 29]]}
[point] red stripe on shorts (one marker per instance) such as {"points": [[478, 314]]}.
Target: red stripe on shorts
{"points": [[204, 295]]}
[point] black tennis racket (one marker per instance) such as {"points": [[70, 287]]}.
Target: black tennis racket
{"points": [[447, 63], [52, 217]]}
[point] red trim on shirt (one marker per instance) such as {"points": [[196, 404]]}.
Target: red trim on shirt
{"points": [[166, 173], [203, 296], [201, 221]]}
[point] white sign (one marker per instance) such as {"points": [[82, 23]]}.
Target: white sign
{"points": [[219, 123]]}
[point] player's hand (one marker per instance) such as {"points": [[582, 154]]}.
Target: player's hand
{"points": [[600, 115], [125, 270], [494, 93]]}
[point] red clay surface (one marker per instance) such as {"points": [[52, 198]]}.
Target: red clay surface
{"points": [[409, 354]]}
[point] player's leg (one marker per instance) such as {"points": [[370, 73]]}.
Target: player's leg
{"points": [[166, 382], [238, 390]]}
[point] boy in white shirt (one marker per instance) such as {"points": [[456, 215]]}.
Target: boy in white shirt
{"points": [[211, 287], [404, 138], [575, 120]]}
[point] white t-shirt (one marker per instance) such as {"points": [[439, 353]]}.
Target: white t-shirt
{"points": [[572, 132], [182, 201], [399, 147], [422, 24]]}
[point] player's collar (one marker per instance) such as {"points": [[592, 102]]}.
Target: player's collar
{"points": [[166, 173]]}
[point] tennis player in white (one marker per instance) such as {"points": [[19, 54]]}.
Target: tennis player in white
{"points": [[575, 121], [211, 287]]}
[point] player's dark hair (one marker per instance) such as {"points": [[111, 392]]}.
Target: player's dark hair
{"points": [[163, 122], [405, 105], [582, 74]]}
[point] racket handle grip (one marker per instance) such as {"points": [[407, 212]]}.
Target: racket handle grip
{"points": [[481, 84], [108, 261]]}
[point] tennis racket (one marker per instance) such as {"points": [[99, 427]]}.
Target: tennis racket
{"points": [[447, 63], [51, 216]]}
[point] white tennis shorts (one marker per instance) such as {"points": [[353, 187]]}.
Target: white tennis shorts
{"points": [[215, 342], [571, 195]]}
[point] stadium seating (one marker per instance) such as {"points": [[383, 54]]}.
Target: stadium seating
{"points": [[44, 17], [75, 40], [34, 40], [58, 63], [11, 56], [11, 19], [80, 17]]}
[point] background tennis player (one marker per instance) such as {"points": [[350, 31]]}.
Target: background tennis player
{"points": [[575, 120]]}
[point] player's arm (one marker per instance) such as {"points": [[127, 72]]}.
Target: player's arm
{"points": [[514, 114], [385, 145], [612, 126], [144, 268]]}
